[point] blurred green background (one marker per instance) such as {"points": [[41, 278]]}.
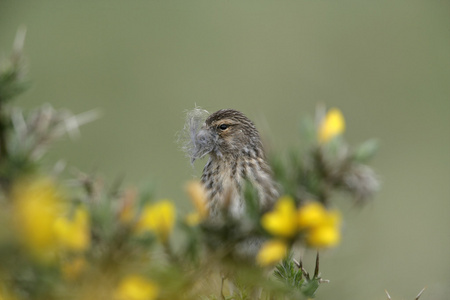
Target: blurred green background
{"points": [[386, 64]]}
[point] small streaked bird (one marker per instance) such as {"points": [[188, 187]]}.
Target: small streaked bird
{"points": [[236, 156]]}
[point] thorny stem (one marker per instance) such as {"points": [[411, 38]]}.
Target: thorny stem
{"points": [[417, 297], [323, 193], [316, 270], [300, 266], [420, 293]]}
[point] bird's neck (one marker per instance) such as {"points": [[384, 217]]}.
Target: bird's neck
{"points": [[224, 178]]}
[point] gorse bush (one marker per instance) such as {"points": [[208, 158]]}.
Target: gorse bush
{"points": [[81, 238]]}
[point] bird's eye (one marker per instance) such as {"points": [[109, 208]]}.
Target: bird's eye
{"points": [[223, 126]]}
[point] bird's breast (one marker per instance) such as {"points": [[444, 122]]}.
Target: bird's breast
{"points": [[224, 182]]}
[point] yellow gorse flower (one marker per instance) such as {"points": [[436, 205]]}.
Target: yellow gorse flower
{"points": [[319, 226], [158, 218], [271, 252], [322, 227], [323, 236], [74, 234], [197, 195], [332, 125], [37, 203], [311, 215], [40, 217], [135, 287], [282, 221]]}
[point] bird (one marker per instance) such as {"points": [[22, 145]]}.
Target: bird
{"points": [[236, 156]]}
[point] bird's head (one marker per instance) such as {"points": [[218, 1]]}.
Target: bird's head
{"points": [[225, 133]]}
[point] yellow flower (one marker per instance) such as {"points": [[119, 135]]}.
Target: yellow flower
{"points": [[282, 221], [331, 126], [135, 287], [311, 214], [40, 211], [74, 234], [322, 227], [198, 197], [37, 203], [271, 252], [323, 236], [158, 218]]}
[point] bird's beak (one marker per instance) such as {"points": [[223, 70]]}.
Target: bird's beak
{"points": [[203, 143]]}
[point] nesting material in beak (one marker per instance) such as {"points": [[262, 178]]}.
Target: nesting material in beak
{"points": [[196, 140]]}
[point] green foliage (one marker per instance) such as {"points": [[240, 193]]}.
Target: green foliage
{"points": [[320, 170], [292, 274], [309, 287], [366, 151], [13, 79], [287, 272]]}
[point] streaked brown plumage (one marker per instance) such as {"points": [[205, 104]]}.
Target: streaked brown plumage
{"points": [[235, 155]]}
